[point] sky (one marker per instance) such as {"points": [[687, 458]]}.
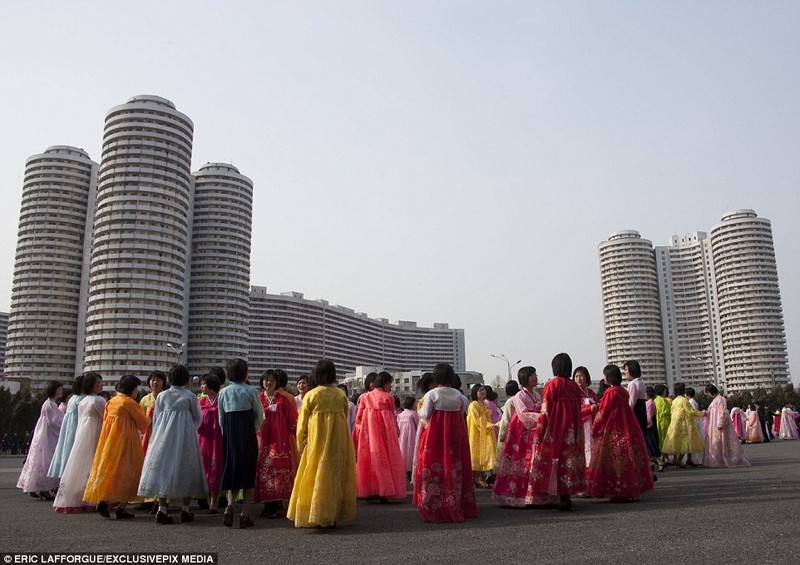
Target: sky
{"points": [[440, 161]]}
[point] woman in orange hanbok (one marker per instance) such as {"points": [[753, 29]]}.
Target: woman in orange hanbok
{"points": [[277, 458], [118, 460]]}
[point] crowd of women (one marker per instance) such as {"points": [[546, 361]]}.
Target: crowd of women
{"points": [[321, 452]]}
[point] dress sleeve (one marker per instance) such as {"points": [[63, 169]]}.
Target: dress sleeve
{"points": [[258, 410], [139, 417], [302, 424], [197, 414]]}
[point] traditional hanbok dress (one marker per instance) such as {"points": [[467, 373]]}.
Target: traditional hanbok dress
{"points": [[663, 417], [278, 457], [380, 469], [723, 448], [637, 398], [325, 485], [173, 466], [620, 466], [788, 424], [147, 403], [482, 440], [117, 464], [651, 438], [33, 477], [66, 437], [513, 485], [443, 488], [240, 416], [738, 421], [209, 435], [407, 422], [76, 472], [754, 433], [559, 463], [683, 435], [587, 417]]}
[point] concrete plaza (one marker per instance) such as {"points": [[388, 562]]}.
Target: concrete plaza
{"points": [[694, 516]]}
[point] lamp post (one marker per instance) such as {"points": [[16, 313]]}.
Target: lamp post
{"points": [[708, 365], [177, 349], [509, 364]]}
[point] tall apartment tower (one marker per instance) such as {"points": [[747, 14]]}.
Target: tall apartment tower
{"points": [[631, 304], [219, 302], [49, 277], [139, 275], [750, 327]]}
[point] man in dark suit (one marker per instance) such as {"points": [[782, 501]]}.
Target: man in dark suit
{"points": [[762, 419]]}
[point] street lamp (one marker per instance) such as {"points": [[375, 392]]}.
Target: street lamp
{"points": [[177, 349], [509, 364], [708, 364]]}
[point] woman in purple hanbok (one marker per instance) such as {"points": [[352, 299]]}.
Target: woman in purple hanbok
{"points": [[722, 446], [34, 479]]}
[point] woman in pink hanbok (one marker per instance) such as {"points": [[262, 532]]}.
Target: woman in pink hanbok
{"points": [[209, 435], [407, 422], [34, 479], [722, 446], [737, 417], [512, 486], [380, 473], [754, 433], [789, 423]]}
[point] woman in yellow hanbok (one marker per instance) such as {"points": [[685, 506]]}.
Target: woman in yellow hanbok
{"points": [[482, 441], [324, 490], [683, 436], [118, 460]]}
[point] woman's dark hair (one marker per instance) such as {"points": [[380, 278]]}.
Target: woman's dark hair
{"points": [[237, 370], [425, 383], [512, 388], [679, 388], [370, 380], [397, 403], [384, 378], [212, 381], [301, 378], [52, 388], [408, 402], [281, 378], [613, 375], [490, 393], [89, 380], [474, 391], [444, 375], [649, 391], [659, 389], [524, 375], [324, 372], [712, 390], [690, 392], [633, 368], [269, 373], [179, 375], [562, 366], [456, 382], [77, 384], [220, 372], [128, 383], [583, 370]]}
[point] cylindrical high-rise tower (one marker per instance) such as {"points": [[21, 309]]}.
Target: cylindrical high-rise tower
{"points": [[631, 305], [749, 302], [219, 309], [57, 201], [136, 319]]}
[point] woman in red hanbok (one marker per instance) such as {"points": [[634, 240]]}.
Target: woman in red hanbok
{"points": [[209, 435], [559, 463], [380, 471], [443, 488], [620, 465], [277, 457], [512, 486]]}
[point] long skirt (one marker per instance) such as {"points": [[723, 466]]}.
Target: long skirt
{"points": [[651, 440], [240, 449]]}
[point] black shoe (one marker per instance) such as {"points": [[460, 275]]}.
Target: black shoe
{"points": [[202, 503], [162, 518], [123, 515], [186, 517], [153, 509], [102, 509]]}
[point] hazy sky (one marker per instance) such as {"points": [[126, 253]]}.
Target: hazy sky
{"points": [[440, 161]]}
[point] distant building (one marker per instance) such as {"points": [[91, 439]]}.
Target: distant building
{"points": [[3, 338], [290, 332], [713, 302]]}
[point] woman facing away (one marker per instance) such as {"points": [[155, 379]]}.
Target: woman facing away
{"points": [[277, 458], [620, 465], [209, 435], [443, 489], [240, 417], [33, 479], [513, 484], [789, 423], [683, 436], [173, 466], [722, 446], [737, 417], [324, 490], [754, 433], [559, 463], [407, 422], [76, 472], [117, 464], [482, 439], [380, 471], [66, 436]]}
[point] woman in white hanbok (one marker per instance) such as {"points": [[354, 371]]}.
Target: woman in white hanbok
{"points": [[173, 465], [79, 464], [66, 437], [789, 424]]}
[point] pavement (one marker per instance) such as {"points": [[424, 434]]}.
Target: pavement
{"points": [[694, 516]]}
